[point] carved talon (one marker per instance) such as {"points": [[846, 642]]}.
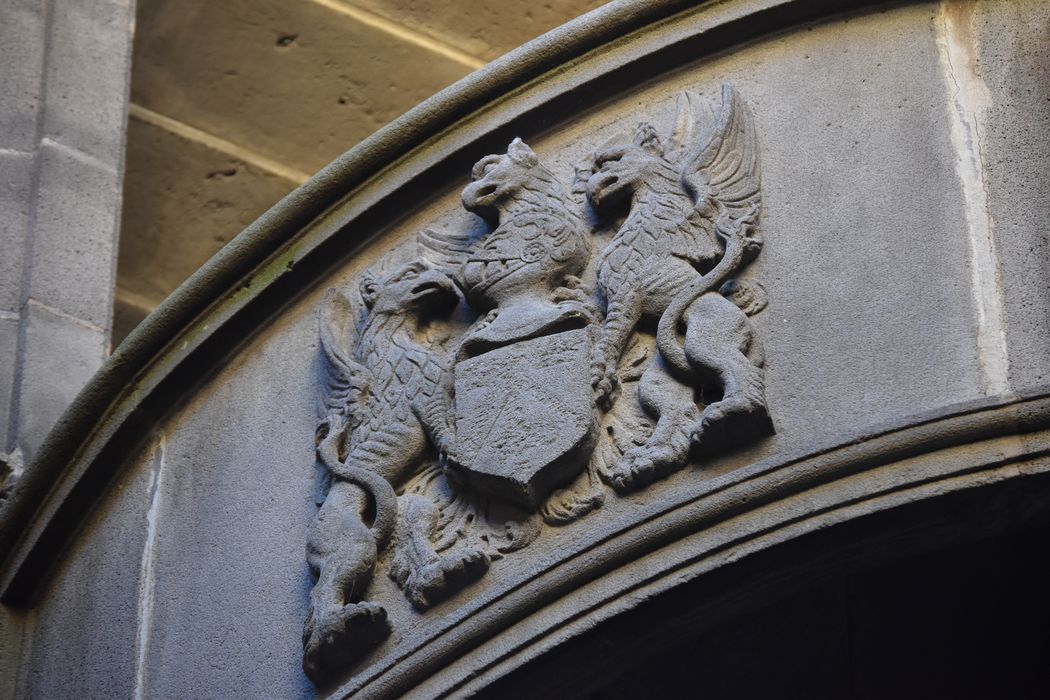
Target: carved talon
{"points": [[566, 508], [605, 382], [435, 582]]}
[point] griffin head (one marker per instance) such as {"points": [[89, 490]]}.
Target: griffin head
{"points": [[414, 288], [622, 167], [497, 182]]}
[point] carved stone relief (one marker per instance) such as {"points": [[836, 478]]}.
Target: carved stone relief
{"points": [[451, 449]]}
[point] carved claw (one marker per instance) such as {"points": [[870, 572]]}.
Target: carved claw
{"points": [[640, 466], [336, 636], [636, 469], [604, 380], [440, 579]]}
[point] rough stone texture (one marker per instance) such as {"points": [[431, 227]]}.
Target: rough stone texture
{"points": [[870, 324], [99, 588], [1013, 59], [63, 98], [189, 200], [75, 232], [9, 330], [881, 188], [12, 628], [22, 36], [229, 503], [203, 64], [485, 29], [62, 353], [16, 187], [85, 107]]}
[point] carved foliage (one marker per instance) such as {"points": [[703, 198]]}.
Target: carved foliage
{"points": [[555, 389]]}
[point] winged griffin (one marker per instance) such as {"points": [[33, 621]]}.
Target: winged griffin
{"points": [[692, 201], [369, 439], [451, 449]]}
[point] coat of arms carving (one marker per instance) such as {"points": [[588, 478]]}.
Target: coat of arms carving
{"points": [[452, 451]]}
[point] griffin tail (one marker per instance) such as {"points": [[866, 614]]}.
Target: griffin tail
{"points": [[667, 330], [374, 485]]}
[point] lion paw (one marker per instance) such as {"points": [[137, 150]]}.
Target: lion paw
{"points": [[335, 636], [728, 422], [636, 469]]}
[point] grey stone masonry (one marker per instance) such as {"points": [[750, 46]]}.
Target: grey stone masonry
{"points": [[63, 112]]}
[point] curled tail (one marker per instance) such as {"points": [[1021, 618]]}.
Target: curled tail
{"points": [[378, 488]]}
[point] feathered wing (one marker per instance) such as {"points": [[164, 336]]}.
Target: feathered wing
{"points": [[445, 251], [722, 167], [721, 172], [347, 381]]}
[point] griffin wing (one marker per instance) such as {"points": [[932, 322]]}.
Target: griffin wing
{"points": [[346, 381], [721, 166], [445, 251]]}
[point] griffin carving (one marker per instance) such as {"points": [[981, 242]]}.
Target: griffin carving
{"points": [[543, 389], [369, 439], [692, 201], [538, 240]]}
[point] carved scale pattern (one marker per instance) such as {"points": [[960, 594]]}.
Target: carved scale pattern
{"points": [[465, 429]]}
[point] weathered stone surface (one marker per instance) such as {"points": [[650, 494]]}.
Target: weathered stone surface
{"points": [[854, 168], [104, 585], [309, 58], [481, 28], [16, 181], [872, 375], [61, 353], [12, 631], [75, 234], [9, 329], [184, 202], [87, 77], [22, 36], [524, 417], [228, 500], [1011, 51]]}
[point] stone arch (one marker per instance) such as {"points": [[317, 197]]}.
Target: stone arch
{"points": [[895, 375]]}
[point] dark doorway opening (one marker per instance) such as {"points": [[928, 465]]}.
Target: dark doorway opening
{"points": [[946, 598], [971, 621]]}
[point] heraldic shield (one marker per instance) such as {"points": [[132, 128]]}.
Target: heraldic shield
{"points": [[525, 421]]}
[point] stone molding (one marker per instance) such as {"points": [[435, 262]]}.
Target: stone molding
{"points": [[968, 447], [679, 532], [283, 250]]}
